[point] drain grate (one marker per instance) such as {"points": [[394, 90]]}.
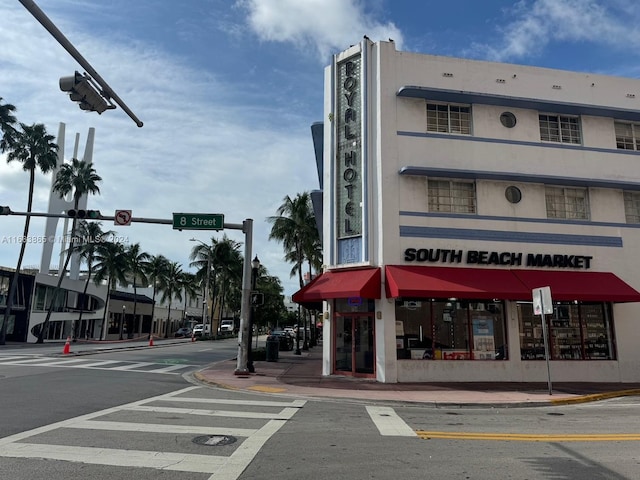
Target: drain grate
{"points": [[214, 440]]}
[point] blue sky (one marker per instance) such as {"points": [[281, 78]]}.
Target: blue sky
{"points": [[228, 90]]}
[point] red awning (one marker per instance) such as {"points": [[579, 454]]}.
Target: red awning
{"points": [[584, 286], [363, 282], [443, 282]]}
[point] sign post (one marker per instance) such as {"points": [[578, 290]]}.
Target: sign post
{"points": [[542, 305]]}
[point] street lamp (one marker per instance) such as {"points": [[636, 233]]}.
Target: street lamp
{"points": [[255, 265], [205, 302], [124, 309]]}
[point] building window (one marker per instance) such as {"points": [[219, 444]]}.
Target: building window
{"points": [[570, 203], [627, 136], [452, 196], [577, 331], [632, 207], [450, 330], [559, 128], [443, 118]]}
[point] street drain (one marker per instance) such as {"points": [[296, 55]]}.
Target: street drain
{"points": [[214, 440]]}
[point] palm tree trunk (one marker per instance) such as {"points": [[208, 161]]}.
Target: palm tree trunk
{"points": [[16, 274], [61, 276], [166, 333], [135, 305], [84, 295]]}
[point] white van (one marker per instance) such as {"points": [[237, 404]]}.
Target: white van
{"points": [[201, 329], [227, 326]]}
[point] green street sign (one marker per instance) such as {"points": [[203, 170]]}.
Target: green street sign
{"points": [[198, 221]]}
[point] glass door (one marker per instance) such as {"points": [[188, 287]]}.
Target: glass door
{"points": [[354, 345]]}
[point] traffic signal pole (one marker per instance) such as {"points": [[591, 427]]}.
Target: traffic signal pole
{"points": [[246, 226]]}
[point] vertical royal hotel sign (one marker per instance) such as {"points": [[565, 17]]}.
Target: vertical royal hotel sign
{"points": [[349, 167]]}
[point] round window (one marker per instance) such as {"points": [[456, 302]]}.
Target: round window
{"points": [[508, 119], [513, 194]]}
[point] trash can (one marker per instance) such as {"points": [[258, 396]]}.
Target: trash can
{"points": [[273, 347]]}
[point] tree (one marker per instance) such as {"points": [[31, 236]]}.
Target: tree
{"points": [[171, 288], [79, 178], [90, 237], [7, 126], [136, 267], [157, 269], [189, 286], [34, 148], [111, 265], [296, 228]]}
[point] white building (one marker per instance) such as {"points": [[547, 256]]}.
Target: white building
{"points": [[451, 189]]}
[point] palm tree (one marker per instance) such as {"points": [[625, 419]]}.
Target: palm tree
{"points": [[189, 287], [295, 227], [111, 265], [91, 236], [137, 264], [171, 288], [7, 122], [157, 269], [80, 178], [34, 148], [226, 265]]}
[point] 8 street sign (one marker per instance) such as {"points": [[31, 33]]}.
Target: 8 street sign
{"points": [[198, 221]]}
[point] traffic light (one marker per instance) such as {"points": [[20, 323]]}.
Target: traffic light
{"points": [[82, 214], [5, 210], [257, 299], [83, 90]]}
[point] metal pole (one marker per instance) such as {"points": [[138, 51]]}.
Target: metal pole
{"points": [[241, 368], [62, 40], [255, 266], [545, 336]]}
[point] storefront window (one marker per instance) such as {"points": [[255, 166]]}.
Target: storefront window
{"points": [[577, 331], [450, 330]]}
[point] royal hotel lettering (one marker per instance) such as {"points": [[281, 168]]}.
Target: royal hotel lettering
{"points": [[480, 257], [349, 150]]}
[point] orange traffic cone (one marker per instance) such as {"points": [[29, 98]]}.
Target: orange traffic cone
{"points": [[67, 347], [151, 340], [193, 337]]}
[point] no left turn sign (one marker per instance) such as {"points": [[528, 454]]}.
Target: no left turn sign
{"points": [[122, 217]]}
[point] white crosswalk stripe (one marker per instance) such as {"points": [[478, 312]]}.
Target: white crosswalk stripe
{"points": [[389, 422], [220, 467], [123, 366]]}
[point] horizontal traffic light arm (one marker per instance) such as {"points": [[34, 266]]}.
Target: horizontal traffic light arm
{"points": [[160, 221]]}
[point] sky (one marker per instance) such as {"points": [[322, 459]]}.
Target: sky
{"points": [[228, 91]]}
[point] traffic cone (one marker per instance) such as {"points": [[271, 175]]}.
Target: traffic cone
{"points": [[151, 340], [67, 347], [193, 337]]}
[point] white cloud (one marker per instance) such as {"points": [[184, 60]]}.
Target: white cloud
{"points": [[541, 23], [328, 26], [206, 145]]}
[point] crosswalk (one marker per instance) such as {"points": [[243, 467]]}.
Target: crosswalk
{"points": [[88, 363], [209, 421]]}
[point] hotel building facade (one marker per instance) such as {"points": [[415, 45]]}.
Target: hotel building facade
{"points": [[452, 189]]}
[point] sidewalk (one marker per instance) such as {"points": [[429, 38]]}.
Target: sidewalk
{"points": [[302, 375]]}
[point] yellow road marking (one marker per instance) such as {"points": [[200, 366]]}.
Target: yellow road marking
{"points": [[522, 437], [266, 389]]}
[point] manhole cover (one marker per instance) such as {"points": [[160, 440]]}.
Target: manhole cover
{"points": [[214, 440]]}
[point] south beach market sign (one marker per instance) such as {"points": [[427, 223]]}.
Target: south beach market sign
{"points": [[482, 257]]}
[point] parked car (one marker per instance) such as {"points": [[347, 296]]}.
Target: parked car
{"points": [[285, 339], [182, 332]]}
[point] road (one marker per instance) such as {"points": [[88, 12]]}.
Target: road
{"points": [[136, 412]]}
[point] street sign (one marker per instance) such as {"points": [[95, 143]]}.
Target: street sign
{"points": [[122, 217], [542, 303], [198, 221]]}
